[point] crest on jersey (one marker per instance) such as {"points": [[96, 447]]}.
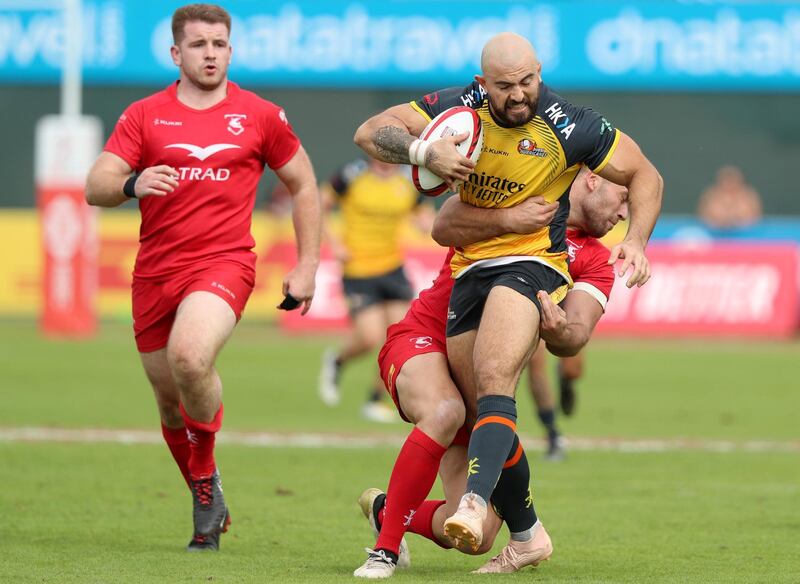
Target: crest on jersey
{"points": [[235, 126], [421, 342], [529, 148], [573, 249]]}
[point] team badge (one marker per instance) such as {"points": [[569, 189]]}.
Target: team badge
{"points": [[528, 147], [421, 342], [573, 249], [235, 126]]}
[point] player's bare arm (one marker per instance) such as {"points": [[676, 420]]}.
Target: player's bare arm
{"points": [[630, 167], [108, 175], [390, 135], [459, 224], [334, 242], [298, 176], [567, 328]]}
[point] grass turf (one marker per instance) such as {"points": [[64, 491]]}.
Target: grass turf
{"points": [[713, 390], [117, 513]]}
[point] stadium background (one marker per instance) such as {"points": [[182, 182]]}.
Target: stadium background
{"points": [[697, 84]]}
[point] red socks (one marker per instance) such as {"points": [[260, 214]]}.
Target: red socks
{"points": [[422, 522], [412, 477], [202, 436], [178, 443]]}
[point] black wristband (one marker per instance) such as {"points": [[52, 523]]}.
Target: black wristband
{"points": [[128, 189]]}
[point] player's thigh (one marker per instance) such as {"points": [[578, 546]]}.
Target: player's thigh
{"points": [[395, 310], [460, 349], [203, 323], [428, 396], [369, 325], [508, 331]]}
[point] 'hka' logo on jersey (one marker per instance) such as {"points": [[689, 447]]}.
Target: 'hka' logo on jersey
{"points": [[202, 153], [562, 125]]}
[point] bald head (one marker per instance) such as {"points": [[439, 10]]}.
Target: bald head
{"points": [[511, 76], [507, 51]]}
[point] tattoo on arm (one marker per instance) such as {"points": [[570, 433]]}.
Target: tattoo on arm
{"points": [[392, 144]]}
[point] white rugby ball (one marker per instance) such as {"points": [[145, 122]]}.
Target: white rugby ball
{"points": [[451, 122]]}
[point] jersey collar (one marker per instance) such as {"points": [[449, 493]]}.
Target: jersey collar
{"points": [[232, 92]]}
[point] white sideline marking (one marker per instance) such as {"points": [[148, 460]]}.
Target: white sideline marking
{"points": [[362, 441]]}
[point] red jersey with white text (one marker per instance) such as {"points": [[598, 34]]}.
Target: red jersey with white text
{"points": [[588, 266], [219, 153]]}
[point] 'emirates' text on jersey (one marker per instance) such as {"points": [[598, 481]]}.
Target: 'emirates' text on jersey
{"points": [[541, 157], [219, 153]]}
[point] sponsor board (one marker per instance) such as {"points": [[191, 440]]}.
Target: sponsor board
{"points": [[622, 44], [716, 290], [720, 289]]}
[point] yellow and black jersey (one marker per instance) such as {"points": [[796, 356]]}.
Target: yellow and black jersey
{"points": [[373, 209], [540, 158]]}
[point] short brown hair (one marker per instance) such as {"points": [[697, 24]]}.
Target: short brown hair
{"points": [[210, 13]]}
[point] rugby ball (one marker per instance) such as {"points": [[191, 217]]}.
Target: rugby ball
{"points": [[451, 122]]}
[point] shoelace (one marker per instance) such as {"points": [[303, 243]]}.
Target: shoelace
{"points": [[507, 557], [378, 557], [203, 489]]}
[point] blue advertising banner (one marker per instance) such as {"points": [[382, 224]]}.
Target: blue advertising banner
{"points": [[615, 44]]}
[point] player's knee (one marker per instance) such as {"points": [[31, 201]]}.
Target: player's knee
{"points": [[495, 377], [187, 363], [443, 419]]}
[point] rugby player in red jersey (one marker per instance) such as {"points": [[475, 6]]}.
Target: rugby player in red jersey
{"points": [[193, 155], [414, 367]]}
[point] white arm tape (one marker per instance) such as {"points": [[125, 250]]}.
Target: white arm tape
{"points": [[417, 151]]}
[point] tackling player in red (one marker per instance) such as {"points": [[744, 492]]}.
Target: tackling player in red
{"points": [[192, 155], [414, 367]]}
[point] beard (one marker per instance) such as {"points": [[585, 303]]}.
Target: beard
{"points": [[207, 82], [597, 221], [513, 119], [596, 227]]}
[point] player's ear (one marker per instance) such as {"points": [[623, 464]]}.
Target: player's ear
{"points": [[592, 180], [481, 80], [175, 52]]}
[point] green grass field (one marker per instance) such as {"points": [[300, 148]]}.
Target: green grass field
{"points": [[110, 512]]}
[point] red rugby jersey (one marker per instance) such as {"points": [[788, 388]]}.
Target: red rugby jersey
{"points": [[588, 267], [219, 153]]}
